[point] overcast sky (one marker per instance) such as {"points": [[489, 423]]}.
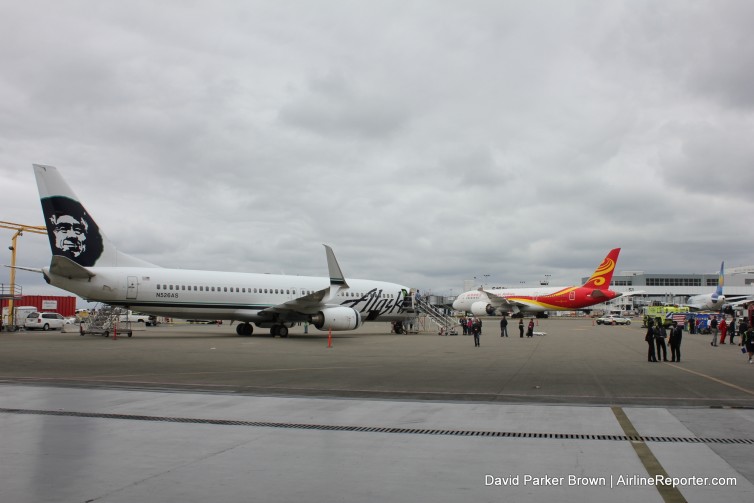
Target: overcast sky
{"points": [[426, 142]]}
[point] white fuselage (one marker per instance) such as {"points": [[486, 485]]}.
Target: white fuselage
{"points": [[225, 295], [527, 298], [706, 302]]}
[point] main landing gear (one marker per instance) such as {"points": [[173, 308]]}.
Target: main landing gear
{"points": [[247, 329], [244, 329], [280, 330]]}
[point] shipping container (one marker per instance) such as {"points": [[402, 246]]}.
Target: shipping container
{"points": [[47, 303]]}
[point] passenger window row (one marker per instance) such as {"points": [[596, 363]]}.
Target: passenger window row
{"points": [[231, 289], [226, 289]]}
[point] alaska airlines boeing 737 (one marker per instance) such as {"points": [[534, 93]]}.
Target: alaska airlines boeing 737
{"points": [[539, 300], [86, 263]]}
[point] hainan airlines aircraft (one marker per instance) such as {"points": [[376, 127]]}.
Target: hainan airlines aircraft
{"points": [[539, 300], [86, 263]]}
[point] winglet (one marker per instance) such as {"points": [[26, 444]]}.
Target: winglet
{"points": [[336, 275], [601, 277]]}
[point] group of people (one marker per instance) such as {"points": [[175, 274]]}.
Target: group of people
{"points": [[730, 330], [727, 330], [473, 326], [529, 329], [656, 346], [657, 334]]}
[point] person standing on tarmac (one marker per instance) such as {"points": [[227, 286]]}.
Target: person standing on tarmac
{"points": [[749, 342], [504, 327], [676, 334], [521, 328], [742, 328], [530, 329], [732, 330], [660, 335], [650, 338], [713, 329], [476, 330], [723, 330]]}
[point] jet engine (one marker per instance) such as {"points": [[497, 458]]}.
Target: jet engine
{"points": [[337, 318], [482, 309]]}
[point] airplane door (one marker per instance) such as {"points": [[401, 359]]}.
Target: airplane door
{"points": [[572, 295], [132, 287]]}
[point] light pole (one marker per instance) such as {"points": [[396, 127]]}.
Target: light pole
{"points": [[20, 229], [483, 277]]}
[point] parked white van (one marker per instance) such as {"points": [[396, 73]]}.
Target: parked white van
{"points": [[44, 321]]}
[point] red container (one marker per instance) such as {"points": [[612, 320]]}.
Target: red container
{"points": [[47, 303]]}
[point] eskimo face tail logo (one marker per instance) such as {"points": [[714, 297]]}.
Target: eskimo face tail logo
{"points": [[71, 230], [605, 268]]}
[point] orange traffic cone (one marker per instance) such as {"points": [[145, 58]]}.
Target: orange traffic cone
{"points": [[329, 338]]}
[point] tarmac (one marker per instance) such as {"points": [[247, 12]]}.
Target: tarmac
{"points": [[196, 413]]}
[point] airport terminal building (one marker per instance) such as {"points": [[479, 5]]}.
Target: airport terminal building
{"points": [[676, 288]]}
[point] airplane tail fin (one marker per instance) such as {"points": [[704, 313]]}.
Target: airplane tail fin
{"points": [[720, 281], [73, 233], [601, 277]]}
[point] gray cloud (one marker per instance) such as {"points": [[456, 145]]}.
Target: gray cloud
{"points": [[331, 106]]}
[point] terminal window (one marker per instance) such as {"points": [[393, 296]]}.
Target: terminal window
{"points": [[674, 282]]}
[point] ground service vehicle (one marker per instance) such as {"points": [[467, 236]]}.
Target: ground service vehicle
{"points": [[613, 320]]}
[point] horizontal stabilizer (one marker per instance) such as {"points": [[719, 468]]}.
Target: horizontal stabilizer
{"points": [[598, 294], [63, 266], [30, 269], [633, 292]]}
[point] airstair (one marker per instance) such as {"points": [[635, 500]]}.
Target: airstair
{"points": [[448, 325], [106, 321]]}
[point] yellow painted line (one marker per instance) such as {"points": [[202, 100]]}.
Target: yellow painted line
{"points": [[715, 379], [669, 493]]}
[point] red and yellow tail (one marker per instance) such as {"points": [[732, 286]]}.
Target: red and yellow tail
{"points": [[604, 273]]}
